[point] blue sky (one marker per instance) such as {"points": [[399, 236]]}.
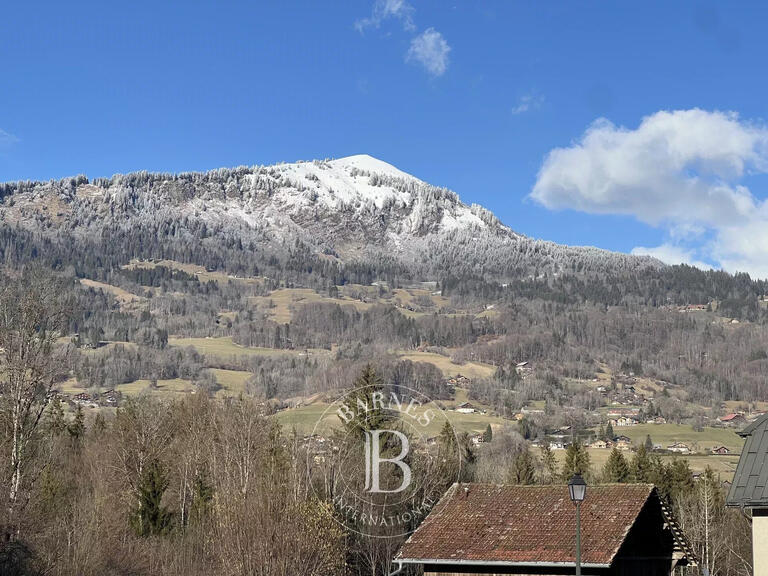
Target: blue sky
{"points": [[470, 95]]}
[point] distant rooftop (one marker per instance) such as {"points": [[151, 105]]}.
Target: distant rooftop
{"points": [[730, 417], [750, 484]]}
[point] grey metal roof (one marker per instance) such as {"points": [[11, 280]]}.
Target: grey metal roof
{"points": [[750, 484]]}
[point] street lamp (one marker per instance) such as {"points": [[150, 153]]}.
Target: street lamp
{"points": [[578, 491]]}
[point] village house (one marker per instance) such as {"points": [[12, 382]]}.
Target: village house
{"points": [[623, 421], [679, 447], [560, 433], [623, 412], [109, 398], [692, 308], [85, 400], [626, 529], [465, 408], [318, 445], [720, 450], [623, 443], [477, 439], [732, 420], [749, 490], [458, 380], [602, 444]]}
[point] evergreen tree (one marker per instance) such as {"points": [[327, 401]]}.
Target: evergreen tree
{"points": [[680, 478], [76, 428], [202, 496], [640, 469], [648, 443], [616, 469], [99, 424], [548, 464], [468, 458], [152, 518], [447, 439], [488, 434], [447, 455], [576, 461], [55, 417], [524, 471], [364, 412], [526, 428], [609, 433], [658, 474], [456, 458]]}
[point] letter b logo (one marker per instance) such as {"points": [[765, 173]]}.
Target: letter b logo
{"points": [[373, 460]]}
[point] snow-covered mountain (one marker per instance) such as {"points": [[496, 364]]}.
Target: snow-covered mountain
{"points": [[353, 209]]}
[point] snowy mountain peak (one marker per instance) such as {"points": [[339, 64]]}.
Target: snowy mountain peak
{"points": [[356, 208], [351, 181], [367, 163]]}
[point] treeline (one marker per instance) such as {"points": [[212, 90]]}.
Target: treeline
{"points": [[693, 355], [710, 361], [196, 487], [737, 295]]}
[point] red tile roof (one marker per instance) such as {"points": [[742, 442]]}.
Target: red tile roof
{"points": [[730, 417], [526, 524]]}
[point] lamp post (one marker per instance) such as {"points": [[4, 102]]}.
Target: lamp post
{"points": [[577, 488]]}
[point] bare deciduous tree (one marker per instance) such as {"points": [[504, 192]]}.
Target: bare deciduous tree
{"points": [[32, 317]]}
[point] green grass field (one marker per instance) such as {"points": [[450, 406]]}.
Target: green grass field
{"points": [[224, 347], [202, 274], [171, 386], [666, 434], [449, 368], [121, 295], [231, 381], [70, 387], [304, 419], [285, 300]]}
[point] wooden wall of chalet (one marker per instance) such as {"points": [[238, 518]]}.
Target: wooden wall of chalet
{"points": [[649, 547]]}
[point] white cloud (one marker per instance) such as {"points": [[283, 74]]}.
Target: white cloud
{"points": [[386, 9], [671, 254], [526, 103], [681, 170], [429, 48], [6, 139], [431, 51]]}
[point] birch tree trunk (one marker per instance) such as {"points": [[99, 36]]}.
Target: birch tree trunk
{"points": [[32, 317]]}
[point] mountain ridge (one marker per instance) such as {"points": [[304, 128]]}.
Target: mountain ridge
{"points": [[352, 209]]}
